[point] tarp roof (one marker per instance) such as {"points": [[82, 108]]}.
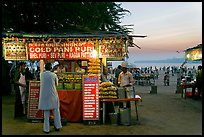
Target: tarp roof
{"points": [[196, 47], [76, 34], [98, 34]]}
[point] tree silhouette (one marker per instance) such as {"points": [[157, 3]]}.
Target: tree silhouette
{"points": [[62, 16]]}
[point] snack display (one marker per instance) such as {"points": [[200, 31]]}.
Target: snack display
{"points": [[68, 86], [107, 90], [15, 51], [71, 81], [94, 66], [60, 86]]}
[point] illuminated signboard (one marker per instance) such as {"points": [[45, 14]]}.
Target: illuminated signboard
{"points": [[90, 97], [15, 50], [111, 48], [67, 50]]}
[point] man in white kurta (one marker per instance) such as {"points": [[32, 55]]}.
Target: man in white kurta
{"points": [[48, 99]]}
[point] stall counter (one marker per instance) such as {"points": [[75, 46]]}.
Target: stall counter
{"points": [[71, 105]]}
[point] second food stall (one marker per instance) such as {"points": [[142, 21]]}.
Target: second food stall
{"points": [[187, 84]]}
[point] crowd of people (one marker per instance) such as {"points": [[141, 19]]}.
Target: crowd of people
{"points": [[181, 72]]}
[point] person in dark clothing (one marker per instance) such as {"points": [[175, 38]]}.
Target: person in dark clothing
{"points": [[199, 80], [29, 75], [6, 85], [117, 72], [165, 78]]}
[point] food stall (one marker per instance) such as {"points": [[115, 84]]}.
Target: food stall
{"points": [[194, 53], [188, 86], [89, 52]]}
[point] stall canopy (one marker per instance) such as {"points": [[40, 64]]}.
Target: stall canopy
{"points": [[63, 45], [73, 34], [194, 54], [58, 45]]}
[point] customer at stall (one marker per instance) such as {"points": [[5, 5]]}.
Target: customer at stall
{"points": [[125, 79], [48, 99], [79, 68], [190, 74], [59, 68], [20, 89]]}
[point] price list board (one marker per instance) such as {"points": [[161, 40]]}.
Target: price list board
{"points": [[90, 97], [33, 99]]}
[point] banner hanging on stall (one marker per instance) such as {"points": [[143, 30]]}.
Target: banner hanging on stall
{"points": [[111, 48], [67, 50], [37, 49], [15, 50]]}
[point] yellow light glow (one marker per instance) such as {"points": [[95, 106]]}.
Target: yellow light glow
{"points": [[94, 53], [200, 56], [188, 55]]}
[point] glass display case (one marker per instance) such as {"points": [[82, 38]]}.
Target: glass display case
{"points": [[70, 81]]}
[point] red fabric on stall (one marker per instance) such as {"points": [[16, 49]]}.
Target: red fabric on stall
{"points": [[71, 105]]}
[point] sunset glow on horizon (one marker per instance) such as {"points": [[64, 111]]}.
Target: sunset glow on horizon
{"points": [[169, 27]]}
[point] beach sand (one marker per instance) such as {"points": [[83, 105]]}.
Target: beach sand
{"points": [[164, 113]]}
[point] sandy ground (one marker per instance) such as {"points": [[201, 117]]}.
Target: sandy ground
{"points": [[164, 113]]}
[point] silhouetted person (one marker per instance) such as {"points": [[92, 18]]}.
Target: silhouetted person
{"points": [[117, 72], [199, 80]]}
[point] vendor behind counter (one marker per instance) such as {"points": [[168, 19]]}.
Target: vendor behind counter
{"points": [[59, 68], [79, 67], [109, 105], [63, 67]]}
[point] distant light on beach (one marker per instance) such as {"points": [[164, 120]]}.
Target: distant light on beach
{"points": [[188, 56], [200, 55]]}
